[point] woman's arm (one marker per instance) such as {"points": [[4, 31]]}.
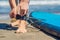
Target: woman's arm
{"points": [[12, 3]]}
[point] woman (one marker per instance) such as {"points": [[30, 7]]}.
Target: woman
{"points": [[22, 8]]}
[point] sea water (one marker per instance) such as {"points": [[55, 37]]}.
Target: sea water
{"points": [[5, 8]]}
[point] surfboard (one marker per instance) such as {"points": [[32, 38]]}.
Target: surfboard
{"points": [[50, 22]]}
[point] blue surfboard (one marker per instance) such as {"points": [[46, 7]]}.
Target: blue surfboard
{"points": [[50, 21]]}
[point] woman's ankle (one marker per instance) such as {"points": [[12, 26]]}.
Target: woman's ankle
{"points": [[21, 31]]}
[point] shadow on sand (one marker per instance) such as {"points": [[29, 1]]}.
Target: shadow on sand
{"points": [[5, 26]]}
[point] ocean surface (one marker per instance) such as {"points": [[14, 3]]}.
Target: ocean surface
{"points": [[5, 9]]}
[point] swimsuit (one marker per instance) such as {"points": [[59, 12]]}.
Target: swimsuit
{"points": [[18, 17]]}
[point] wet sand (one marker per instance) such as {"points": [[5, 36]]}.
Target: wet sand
{"points": [[32, 34]]}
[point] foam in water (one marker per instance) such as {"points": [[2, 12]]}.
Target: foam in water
{"points": [[6, 3]]}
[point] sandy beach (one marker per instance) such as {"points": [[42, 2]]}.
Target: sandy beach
{"points": [[32, 34]]}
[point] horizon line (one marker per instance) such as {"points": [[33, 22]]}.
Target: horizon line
{"points": [[6, 3]]}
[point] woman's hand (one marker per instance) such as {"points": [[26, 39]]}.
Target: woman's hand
{"points": [[14, 12], [23, 8]]}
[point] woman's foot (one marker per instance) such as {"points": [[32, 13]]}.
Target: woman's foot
{"points": [[22, 27], [21, 31]]}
